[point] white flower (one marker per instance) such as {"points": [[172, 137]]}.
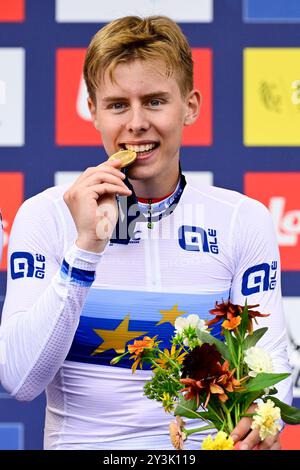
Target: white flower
{"points": [[258, 360], [266, 419], [191, 321]]}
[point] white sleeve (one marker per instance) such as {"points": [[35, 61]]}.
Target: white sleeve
{"points": [[257, 281], [44, 299]]}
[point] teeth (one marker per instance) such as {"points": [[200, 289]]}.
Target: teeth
{"points": [[140, 148]]}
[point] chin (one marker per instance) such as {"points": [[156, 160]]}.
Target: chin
{"points": [[138, 174]]}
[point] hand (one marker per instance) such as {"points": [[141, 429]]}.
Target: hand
{"points": [[246, 438], [92, 203]]}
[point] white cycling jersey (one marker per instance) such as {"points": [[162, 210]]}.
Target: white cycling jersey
{"points": [[68, 312]]}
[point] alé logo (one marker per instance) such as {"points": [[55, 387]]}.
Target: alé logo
{"points": [[280, 193]]}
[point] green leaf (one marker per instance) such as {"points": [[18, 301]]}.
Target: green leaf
{"points": [[264, 380], [221, 347], [244, 323], [246, 399], [187, 408], [289, 414], [251, 340], [232, 345]]}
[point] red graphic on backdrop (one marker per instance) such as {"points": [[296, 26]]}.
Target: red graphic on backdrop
{"points": [[12, 11], [280, 193], [73, 126], [11, 197]]}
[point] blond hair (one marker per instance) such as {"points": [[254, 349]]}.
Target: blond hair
{"points": [[155, 38]]}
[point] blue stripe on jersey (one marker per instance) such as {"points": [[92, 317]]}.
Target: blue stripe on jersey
{"points": [[112, 319], [78, 276]]}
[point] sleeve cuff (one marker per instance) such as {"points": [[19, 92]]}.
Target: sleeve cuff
{"points": [[78, 258]]}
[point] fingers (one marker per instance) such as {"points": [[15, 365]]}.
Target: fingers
{"points": [[100, 182], [252, 442], [270, 443], [111, 167], [246, 443], [108, 188], [102, 177]]}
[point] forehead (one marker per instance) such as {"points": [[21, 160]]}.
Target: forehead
{"points": [[138, 77]]}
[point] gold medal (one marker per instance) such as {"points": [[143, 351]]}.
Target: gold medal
{"points": [[126, 156]]}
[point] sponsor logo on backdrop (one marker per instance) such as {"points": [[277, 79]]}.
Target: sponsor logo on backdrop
{"points": [[11, 197], [271, 11], [100, 11], [73, 124], [271, 97], [292, 314], [12, 77], [280, 193], [12, 11]]}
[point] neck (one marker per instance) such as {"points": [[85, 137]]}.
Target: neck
{"points": [[153, 200], [154, 190]]}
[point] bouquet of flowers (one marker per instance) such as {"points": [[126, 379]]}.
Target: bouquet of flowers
{"points": [[216, 381]]}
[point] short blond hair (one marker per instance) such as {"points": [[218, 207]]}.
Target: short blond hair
{"points": [[155, 38]]}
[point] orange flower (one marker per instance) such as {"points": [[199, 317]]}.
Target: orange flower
{"points": [[139, 345], [140, 348], [231, 323]]}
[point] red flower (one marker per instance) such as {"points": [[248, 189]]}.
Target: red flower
{"points": [[231, 313], [203, 373]]}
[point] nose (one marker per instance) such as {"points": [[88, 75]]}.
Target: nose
{"points": [[137, 120]]}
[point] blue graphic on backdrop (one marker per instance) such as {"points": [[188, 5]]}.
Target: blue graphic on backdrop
{"points": [[11, 436], [270, 11]]}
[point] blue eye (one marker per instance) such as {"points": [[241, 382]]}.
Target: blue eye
{"points": [[118, 106], [155, 103]]}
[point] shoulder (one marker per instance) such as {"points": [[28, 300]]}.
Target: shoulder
{"points": [[45, 209], [225, 197], [48, 199]]}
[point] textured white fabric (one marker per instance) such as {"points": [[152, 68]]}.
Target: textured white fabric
{"points": [[90, 404]]}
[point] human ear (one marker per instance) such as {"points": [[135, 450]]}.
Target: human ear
{"points": [[193, 103], [93, 111]]}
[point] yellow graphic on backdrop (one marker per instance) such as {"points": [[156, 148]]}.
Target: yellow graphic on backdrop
{"points": [[271, 97]]}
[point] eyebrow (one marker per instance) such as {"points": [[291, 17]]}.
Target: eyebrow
{"points": [[161, 94]]}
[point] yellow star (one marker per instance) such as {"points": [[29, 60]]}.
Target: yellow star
{"points": [[116, 339], [170, 315]]}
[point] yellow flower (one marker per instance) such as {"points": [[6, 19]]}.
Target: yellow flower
{"points": [[167, 402], [176, 433], [221, 442], [266, 415], [167, 357]]}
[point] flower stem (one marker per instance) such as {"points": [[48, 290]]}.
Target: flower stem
{"points": [[204, 428]]}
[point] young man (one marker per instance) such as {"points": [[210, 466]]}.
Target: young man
{"points": [[80, 299]]}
